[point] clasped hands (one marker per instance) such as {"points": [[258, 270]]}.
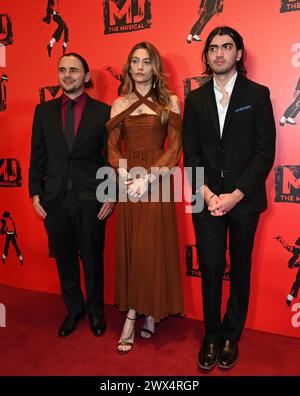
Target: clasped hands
{"points": [[219, 205], [136, 187]]}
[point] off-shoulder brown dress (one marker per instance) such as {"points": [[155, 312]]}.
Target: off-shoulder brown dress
{"points": [[147, 259]]}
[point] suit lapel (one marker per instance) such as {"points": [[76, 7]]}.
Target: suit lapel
{"points": [[57, 125], [235, 101], [212, 105]]}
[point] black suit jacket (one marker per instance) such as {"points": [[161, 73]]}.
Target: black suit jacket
{"points": [[51, 164], [244, 154]]}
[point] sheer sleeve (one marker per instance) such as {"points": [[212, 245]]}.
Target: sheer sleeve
{"points": [[114, 142], [171, 156]]}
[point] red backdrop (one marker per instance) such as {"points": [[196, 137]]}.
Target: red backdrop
{"points": [[273, 59]]}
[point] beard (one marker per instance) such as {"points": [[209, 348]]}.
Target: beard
{"points": [[72, 87], [223, 69]]}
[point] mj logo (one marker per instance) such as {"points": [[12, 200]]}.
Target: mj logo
{"points": [[190, 83], [287, 183], [193, 264], [2, 315], [3, 91], [289, 5], [48, 93], [6, 34], [10, 172], [121, 16]]}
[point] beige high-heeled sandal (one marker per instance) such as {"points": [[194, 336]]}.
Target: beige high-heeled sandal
{"points": [[147, 333], [128, 341]]}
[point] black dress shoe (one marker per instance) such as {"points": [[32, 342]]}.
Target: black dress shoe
{"points": [[207, 356], [69, 324], [98, 324], [228, 354]]}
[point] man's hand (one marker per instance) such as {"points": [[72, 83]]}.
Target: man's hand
{"points": [[38, 207], [226, 202], [210, 199], [106, 209], [214, 202]]}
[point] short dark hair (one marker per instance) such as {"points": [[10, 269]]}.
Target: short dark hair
{"points": [[238, 40], [84, 63]]}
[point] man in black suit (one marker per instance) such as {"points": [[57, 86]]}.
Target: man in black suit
{"points": [[229, 130], [68, 146]]}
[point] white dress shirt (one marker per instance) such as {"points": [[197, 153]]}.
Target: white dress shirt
{"points": [[219, 95]]}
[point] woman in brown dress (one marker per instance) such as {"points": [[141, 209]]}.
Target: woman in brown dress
{"points": [[148, 279]]}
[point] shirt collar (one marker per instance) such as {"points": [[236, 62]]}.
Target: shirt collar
{"points": [[229, 86], [80, 99]]}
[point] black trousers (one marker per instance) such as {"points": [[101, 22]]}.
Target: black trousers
{"points": [[11, 238], [201, 23], [62, 27], [296, 285], [293, 109], [77, 233], [211, 238]]}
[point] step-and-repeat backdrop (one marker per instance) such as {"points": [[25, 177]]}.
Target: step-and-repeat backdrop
{"points": [[103, 31]]}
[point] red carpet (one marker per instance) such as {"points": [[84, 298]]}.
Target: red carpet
{"points": [[29, 345]]}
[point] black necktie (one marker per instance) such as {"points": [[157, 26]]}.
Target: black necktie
{"points": [[69, 133], [69, 124]]}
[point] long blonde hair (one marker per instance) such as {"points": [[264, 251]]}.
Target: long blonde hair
{"points": [[160, 92]]}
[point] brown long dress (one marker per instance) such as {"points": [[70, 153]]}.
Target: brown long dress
{"points": [[147, 259]]}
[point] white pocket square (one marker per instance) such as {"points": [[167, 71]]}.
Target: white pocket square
{"points": [[243, 108]]}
